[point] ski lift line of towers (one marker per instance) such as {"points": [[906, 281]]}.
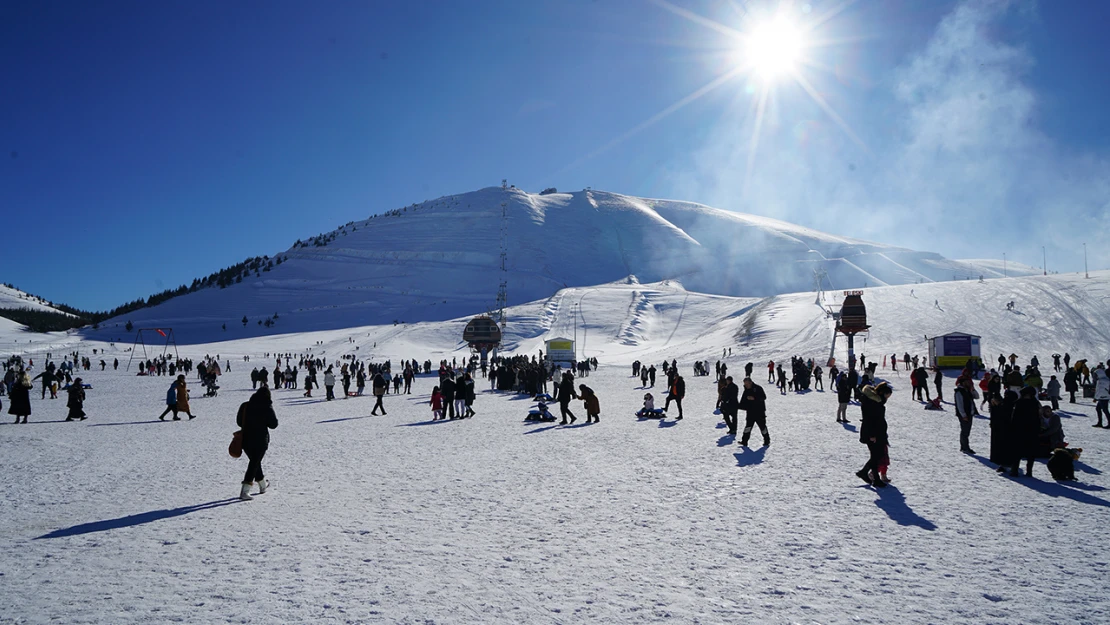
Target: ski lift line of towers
{"points": [[483, 333]]}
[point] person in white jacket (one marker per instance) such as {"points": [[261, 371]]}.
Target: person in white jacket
{"points": [[329, 384], [1102, 395]]}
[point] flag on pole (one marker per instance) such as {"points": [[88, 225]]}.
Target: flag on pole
{"points": [[159, 331]]}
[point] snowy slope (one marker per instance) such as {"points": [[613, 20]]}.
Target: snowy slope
{"points": [[125, 519], [14, 298], [439, 260]]}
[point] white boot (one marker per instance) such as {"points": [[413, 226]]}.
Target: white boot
{"points": [[262, 485], [245, 493]]}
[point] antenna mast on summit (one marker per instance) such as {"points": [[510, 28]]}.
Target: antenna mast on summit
{"points": [[502, 288]]}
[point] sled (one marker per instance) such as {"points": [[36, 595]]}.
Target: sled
{"points": [[652, 414]]}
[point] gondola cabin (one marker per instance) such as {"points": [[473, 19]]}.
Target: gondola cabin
{"points": [[853, 314], [482, 332]]}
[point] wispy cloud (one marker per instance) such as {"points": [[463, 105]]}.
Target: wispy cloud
{"points": [[964, 169]]}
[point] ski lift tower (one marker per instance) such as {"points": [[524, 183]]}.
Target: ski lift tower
{"points": [[503, 286], [819, 275], [853, 320]]}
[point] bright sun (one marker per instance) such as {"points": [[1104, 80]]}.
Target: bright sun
{"points": [[773, 48]]}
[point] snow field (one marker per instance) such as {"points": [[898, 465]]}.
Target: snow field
{"points": [[124, 519]]}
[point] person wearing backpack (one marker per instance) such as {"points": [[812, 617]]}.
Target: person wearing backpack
{"points": [[256, 418]]}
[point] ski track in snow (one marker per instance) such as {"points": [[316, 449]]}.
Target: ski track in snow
{"points": [[125, 519]]}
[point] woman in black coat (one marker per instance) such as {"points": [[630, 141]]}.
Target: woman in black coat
{"points": [[76, 402], [1071, 384], [256, 418], [1002, 438], [872, 430], [1026, 427], [19, 395]]}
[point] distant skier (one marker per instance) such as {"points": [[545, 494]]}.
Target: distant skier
{"points": [[1056, 362]]}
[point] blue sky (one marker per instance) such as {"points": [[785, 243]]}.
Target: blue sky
{"points": [[145, 144]]}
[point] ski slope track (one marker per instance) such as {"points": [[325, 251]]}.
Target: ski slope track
{"points": [[440, 260]]}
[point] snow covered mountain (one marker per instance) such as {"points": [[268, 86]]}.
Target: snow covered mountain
{"points": [[11, 297], [440, 260]]}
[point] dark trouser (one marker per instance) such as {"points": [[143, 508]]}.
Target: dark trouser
{"points": [[254, 467], [346, 389], [408, 387], [330, 392], [878, 452], [939, 396], [378, 404], [1055, 402], [730, 419], [677, 401], [761, 421], [965, 433], [449, 403], [1101, 408], [564, 412], [1071, 397]]}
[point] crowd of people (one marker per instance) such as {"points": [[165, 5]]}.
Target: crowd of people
{"points": [[1022, 428]]}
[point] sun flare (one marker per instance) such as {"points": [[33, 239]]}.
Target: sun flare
{"points": [[773, 48]]}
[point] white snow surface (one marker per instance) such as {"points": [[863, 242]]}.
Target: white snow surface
{"points": [[125, 519], [440, 260], [14, 298]]}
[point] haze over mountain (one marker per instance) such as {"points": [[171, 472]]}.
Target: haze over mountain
{"points": [[440, 260]]}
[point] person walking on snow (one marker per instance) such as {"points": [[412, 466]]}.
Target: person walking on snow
{"points": [[76, 401], [754, 403], [730, 404], [379, 391], [676, 392], [256, 418], [564, 392], [873, 431], [183, 397]]}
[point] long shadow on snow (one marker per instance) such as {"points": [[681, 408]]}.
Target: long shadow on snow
{"points": [[1058, 489], [849, 427], [33, 422], [1061, 489], [346, 419], [726, 440], [543, 429], [96, 425], [749, 457], [409, 425], [893, 503], [135, 519], [663, 423]]}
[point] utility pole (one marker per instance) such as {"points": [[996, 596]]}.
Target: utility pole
{"points": [[574, 310], [1086, 274], [1044, 261]]}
